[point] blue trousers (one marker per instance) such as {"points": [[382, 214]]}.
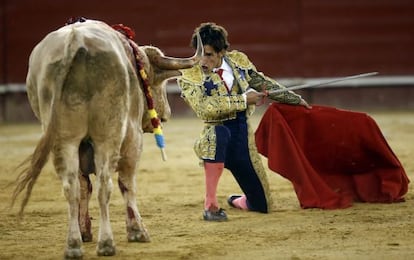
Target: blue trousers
{"points": [[232, 149]]}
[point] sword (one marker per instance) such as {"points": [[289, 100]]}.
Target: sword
{"points": [[281, 90]]}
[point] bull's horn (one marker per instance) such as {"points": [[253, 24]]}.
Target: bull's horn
{"points": [[170, 63]]}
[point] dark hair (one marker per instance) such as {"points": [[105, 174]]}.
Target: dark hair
{"points": [[211, 34]]}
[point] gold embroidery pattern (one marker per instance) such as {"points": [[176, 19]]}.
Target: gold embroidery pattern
{"points": [[205, 145], [214, 109], [259, 81], [217, 106], [241, 59], [193, 75]]}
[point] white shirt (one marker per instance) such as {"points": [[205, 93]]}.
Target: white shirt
{"points": [[228, 76]]}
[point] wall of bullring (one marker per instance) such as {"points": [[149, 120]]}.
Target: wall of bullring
{"points": [[294, 42]]}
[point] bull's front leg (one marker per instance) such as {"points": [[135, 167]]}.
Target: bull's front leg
{"points": [[136, 231]]}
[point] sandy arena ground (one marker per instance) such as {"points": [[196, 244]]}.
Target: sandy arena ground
{"points": [[170, 198]]}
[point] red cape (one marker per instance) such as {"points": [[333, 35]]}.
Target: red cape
{"points": [[333, 157]]}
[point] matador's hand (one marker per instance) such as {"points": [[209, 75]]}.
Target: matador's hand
{"points": [[253, 97], [304, 103]]}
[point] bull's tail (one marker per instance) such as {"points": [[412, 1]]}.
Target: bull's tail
{"points": [[33, 165]]}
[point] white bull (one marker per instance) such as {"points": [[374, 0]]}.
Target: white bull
{"points": [[83, 87]]}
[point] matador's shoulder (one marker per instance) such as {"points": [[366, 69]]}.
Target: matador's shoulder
{"points": [[240, 59], [193, 75]]}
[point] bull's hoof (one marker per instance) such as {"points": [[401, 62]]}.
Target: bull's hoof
{"points": [[138, 236], [86, 237], [73, 253], [73, 249], [106, 248]]}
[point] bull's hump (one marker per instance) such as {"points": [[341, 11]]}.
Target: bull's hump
{"points": [[88, 24], [95, 36]]}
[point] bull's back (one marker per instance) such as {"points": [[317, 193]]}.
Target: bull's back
{"points": [[83, 64]]}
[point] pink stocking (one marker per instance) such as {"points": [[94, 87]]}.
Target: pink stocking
{"points": [[241, 203], [213, 172]]}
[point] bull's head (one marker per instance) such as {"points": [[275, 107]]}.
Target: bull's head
{"points": [[161, 68]]}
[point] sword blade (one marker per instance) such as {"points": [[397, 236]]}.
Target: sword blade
{"points": [[277, 91]]}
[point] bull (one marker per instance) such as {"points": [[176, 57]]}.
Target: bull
{"points": [[83, 86]]}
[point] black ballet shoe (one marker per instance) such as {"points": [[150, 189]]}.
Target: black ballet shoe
{"points": [[218, 215], [230, 200]]}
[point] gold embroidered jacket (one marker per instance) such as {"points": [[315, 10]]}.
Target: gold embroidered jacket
{"points": [[208, 96]]}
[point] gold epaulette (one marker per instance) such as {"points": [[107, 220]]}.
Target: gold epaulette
{"points": [[194, 75], [240, 59]]}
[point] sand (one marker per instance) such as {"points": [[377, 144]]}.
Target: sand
{"points": [[170, 198]]}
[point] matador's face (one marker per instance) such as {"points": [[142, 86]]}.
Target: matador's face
{"points": [[211, 59]]}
